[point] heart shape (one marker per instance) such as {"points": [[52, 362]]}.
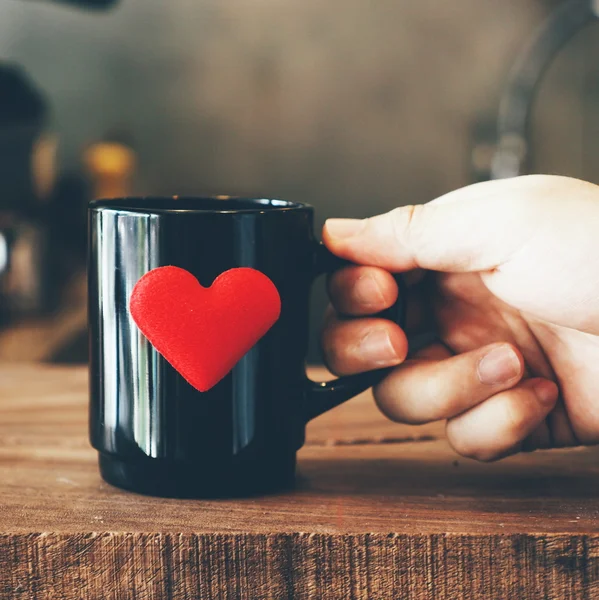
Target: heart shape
{"points": [[203, 332]]}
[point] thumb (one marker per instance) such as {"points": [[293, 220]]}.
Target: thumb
{"points": [[475, 228]]}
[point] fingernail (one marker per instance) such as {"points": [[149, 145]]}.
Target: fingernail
{"points": [[501, 365], [368, 291], [546, 391], [376, 347], [343, 228]]}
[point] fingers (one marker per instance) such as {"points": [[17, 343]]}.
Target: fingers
{"points": [[355, 346], [442, 387], [475, 228], [497, 427], [359, 291]]}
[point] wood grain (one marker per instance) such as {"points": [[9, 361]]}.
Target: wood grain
{"points": [[381, 511]]}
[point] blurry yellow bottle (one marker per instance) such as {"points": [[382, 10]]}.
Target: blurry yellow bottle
{"points": [[111, 167]]}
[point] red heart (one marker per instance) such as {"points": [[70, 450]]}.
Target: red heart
{"points": [[203, 332]]}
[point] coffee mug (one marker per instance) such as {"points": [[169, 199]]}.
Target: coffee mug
{"points": [[156, 433]]}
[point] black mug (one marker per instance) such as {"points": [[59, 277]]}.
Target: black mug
{"points": [[155, 433]]}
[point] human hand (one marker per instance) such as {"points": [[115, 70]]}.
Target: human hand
{"points": [[506, 273]]}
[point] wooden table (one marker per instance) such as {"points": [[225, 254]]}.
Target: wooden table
{"points": [[381, 512]]}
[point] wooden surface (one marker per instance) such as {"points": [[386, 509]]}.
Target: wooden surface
{"points": [[381, 511]]}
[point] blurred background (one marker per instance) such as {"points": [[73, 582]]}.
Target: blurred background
{"points": [[351, 105]]}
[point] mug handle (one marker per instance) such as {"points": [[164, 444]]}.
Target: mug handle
{"points": [[322, 397]]}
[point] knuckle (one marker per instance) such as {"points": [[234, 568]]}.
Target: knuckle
{"points": [[395, 404], [328, 320], [334, 352], [405, 220], [464, 447], [388, 403], [327, 344], [366, 293], [408, 230], [344, 288], [331, 362], [484, 455], [386, 395], [488, 456], [517, 420]]}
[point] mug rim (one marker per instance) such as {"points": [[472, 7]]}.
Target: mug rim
{"points": [[168, 204]]}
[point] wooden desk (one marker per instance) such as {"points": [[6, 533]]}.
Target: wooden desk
{"points": [[381, 512]]}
